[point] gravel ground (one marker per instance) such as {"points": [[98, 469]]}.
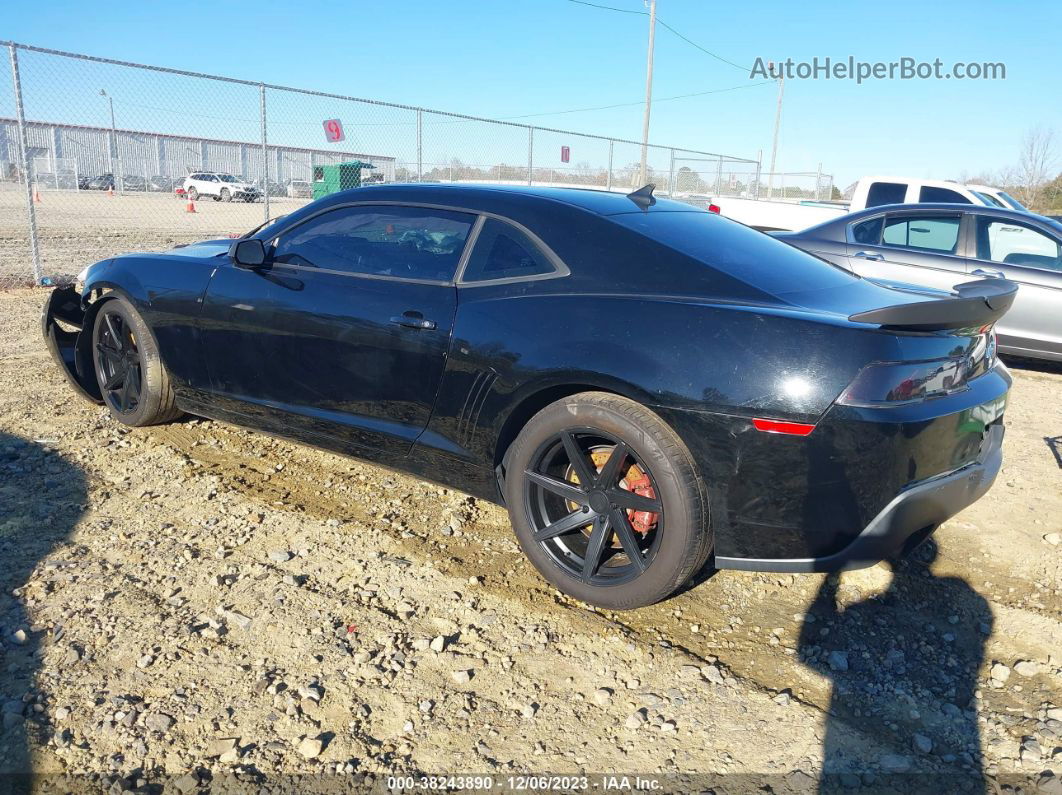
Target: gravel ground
{"points": [[79, 228], [196, 605]]}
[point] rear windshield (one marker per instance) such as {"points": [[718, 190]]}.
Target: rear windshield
{"points": [[737, 250]]}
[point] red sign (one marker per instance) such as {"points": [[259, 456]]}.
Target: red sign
{"points": [[566, 154], [333, 131]]}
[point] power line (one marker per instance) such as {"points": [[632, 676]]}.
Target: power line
{"points": [[640, 102], [702, 49], [664, 24]]}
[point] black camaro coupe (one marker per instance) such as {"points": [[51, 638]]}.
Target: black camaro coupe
{"points": [[645, 386]]}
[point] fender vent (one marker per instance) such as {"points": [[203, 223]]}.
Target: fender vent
{"points": [[474, 400]]}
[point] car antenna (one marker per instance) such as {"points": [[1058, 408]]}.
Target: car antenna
{"points": [[643, 197]]}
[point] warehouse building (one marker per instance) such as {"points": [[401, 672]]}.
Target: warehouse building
{"points": [[83, 151]]}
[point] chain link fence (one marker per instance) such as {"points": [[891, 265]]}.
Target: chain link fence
{"points": [[95, 155]]}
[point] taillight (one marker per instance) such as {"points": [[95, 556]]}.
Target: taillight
{"points": [[713, 208], [894, 383]]}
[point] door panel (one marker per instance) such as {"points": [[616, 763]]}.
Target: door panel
{"points": [[913, 249], [1031, 257], [308, 353]]}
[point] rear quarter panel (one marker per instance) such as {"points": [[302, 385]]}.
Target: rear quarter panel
{"points": [[667, 352]]}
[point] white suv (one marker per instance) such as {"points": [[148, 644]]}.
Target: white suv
{"points": [[220, 187]]}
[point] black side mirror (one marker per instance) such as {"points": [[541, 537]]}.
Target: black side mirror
{"points": [[248, 253]]}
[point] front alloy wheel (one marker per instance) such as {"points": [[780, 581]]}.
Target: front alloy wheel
{"points": [[118, 362]]}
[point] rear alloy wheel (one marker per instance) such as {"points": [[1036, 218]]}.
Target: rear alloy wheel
{"points": [[225, 195], [134, 384], [605, 501]]}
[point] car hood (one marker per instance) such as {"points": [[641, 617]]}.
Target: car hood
{"points": [[204, 249]]}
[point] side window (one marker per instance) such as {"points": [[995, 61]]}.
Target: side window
{"points": [[934, 233], [867, 233], [402, 242], [1011, 243], [930, 194], [886, 193], [504, 252]]}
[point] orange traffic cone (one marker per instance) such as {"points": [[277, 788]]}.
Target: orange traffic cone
{"points": [[190, 207], [110, 191], [36, 195]]}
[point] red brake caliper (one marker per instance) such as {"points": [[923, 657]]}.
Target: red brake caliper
{"points": [[638, 482]]}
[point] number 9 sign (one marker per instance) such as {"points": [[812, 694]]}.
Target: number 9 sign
{"points": [[333, 129]]}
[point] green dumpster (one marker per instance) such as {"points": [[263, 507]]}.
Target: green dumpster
{"points": [[337, 177]]}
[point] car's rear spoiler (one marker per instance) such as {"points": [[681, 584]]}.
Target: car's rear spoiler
{"points": [[978, 303]]}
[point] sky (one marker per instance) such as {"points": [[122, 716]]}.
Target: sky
{"points": [[532, 61]]}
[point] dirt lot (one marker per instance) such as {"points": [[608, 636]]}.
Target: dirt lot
{"points": [[197, 605], [79, 228]]}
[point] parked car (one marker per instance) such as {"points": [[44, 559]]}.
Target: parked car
{"points": [[220, 187], [788, 215], [939, 245], [57, 180], [641, 383], [299, 189], [273, 188], [102, 182], [1000, 197], [161, 183], [133, 183]]}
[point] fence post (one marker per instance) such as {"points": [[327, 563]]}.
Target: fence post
{"points": [[27, 167], [719, 175], [420, 143], [608, 183], [265, 154], [671, 175], [759, 176], [818, 184], [530, 152]]}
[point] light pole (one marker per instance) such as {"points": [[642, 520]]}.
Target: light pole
{"points": [[648, 91], [112, 150], [777, 123]]}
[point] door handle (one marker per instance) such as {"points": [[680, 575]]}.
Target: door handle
{"points": [[414, 320], [988, 274], [865, 255]]}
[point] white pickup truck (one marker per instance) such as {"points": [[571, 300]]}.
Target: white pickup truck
{"points": [[795, 214]]}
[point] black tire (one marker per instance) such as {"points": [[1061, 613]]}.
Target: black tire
{"points": [[594, 561], [193, 194], [226, 195], [133, 381]]}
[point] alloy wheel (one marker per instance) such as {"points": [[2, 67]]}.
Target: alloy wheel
{"points": [[593, 506], [118, 362]]}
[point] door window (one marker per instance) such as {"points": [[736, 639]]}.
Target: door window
{"points": [[930, 233], [504, 252], [867, 233], [886, 193], [401, 242], [1010, 243], [928, 193]]}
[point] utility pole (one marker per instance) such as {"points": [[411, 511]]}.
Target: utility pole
{"points": [[114, 140], [777, 125], [648, 92]]}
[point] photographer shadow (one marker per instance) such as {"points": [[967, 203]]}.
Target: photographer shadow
{"points": [[904, 665], [42, 497]]}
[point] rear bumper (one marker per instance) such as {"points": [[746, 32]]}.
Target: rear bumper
{"points": [[909, 517]]}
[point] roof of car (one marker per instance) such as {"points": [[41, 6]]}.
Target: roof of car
{"points": [[1007, 212], [598, 201]]}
